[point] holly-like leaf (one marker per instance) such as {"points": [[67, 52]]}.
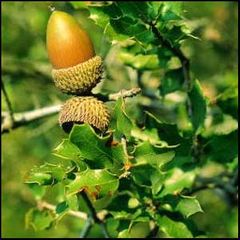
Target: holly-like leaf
{"points": [[46, 174], [166, 132], [173, 229], [132, 28], [97, 151], [102, 17], [146, 153], [146, 175], [67, 150], [135, 10], [38, 220], [198, 106], [97, 183], [92, 147]]}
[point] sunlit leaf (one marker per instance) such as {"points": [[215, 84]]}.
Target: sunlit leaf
{"points": [[97, 183], [173, 229]]}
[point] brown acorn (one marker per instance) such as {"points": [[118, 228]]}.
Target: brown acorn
{"points": [[76, 68], [84, 110]]}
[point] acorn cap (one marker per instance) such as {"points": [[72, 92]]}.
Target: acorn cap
{"points": [[84, 110], [79, 79]]}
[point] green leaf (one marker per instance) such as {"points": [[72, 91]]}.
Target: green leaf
{"points": [[126, 215], [173, 80], [92, 147], [72, 202], [166, 132], [223, 148], [134, 9], [186, 205], [198, 106], [177, 181], [46, 174], [146, 175], [137, 229], [97, 183], [175, 7], [37, 191], [124, 125], [124, 234], [38, 220], [146, 153], [173, 229], [132, 28], [96, 150], [62, 207], [141, 62], [67, 150], [102, 16], [120, 201]]}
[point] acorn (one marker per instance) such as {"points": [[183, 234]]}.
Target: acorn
{"points": [[76, 68], [84, 110]]}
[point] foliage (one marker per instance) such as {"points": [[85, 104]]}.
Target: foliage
{"points": [[143, 169]]}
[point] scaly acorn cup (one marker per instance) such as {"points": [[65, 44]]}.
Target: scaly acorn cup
{"points": [[84, 110], [76, 68]]}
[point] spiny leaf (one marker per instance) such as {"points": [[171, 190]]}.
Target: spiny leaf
{"points": [[97, 183], [95, 149], [166, 132], [145, 153], [46, 174], [67, 150], [91, 146]]}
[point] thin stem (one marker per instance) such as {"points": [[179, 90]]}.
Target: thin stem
{"points": [[46, 205], [93, 214], [87, 227], [23, 118], [51, 8], [115, 96], [177, 52], [153, 233], [104, 229], [183, 59], [9, 106]]}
